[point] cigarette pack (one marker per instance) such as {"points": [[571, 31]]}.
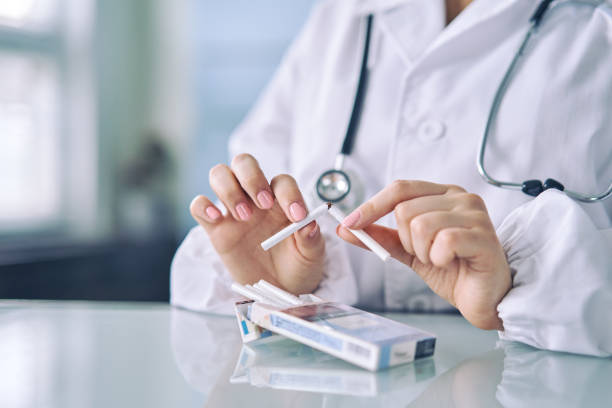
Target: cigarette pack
{"points": [[358, 337]]}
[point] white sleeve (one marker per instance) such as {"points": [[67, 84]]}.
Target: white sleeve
{"points": [[561, 263], [198, 278]]}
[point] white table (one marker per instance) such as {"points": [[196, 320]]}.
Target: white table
{"points": [[90, 354]]}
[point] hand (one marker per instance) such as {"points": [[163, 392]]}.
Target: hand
{"points": [[295, 264], [446, 236]]}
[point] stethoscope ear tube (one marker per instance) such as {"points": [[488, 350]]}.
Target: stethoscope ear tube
{"points": [[351, 130], [334, 185], [537, 16]]}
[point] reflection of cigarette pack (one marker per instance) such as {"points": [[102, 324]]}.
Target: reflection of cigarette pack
{"points": [[361, 338], [286, 364]]}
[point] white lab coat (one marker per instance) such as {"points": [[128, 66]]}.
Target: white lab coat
{"points": [[428, 96]]}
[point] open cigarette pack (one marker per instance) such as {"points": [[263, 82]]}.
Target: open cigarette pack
{"points": [[358, 337]]}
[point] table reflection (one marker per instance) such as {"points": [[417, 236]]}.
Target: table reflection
{"points": [[516, 375], [285, 364], [549, 379], [209, 353]]}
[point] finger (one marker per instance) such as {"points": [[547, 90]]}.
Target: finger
{"points": [[469, 201], [252, 180], [288, 194], [403, 230], [387, 237], [452, 243], [205, 212], [385, 201], [310, 242], [423, 228], [226, 187], [406, 211]]}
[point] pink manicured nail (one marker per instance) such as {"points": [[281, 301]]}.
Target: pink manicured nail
{"points": [[265, 199], [244, 212], [352, 219], [297, 211], [213, 213]]}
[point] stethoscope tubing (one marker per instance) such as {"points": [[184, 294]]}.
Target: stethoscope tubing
{"points": [[535, 20]]}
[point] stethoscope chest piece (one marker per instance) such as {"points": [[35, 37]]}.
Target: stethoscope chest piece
{"points": [[344, 188], [333, 186]]}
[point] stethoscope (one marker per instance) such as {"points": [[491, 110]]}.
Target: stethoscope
{"points": [[335, 185]]}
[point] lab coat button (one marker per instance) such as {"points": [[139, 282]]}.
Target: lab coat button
{"points": [[431, 130]]}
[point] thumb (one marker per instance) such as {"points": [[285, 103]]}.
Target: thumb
{"points": [[387, 237], [309, 242]]}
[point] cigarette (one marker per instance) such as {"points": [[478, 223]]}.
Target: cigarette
{"points": [[363, 236], [289, 230], [248, 293], [269, 298], [287, 297]]}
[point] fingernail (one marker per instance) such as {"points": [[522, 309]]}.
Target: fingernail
{"points": [[314, 232], [352, 219], [197, 207], [297, 211], [265, 199], [212, 213], [243, 210]]}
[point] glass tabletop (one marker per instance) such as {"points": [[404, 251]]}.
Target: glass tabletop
{"points": [[91, 354]]}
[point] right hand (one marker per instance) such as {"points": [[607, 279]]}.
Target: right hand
{"points": [[256, 211]]}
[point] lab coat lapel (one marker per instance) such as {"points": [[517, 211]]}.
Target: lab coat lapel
{"points": [[364, 7], [474, 27], [413, 27], [416, 28], [474, 14], [409, 25]]}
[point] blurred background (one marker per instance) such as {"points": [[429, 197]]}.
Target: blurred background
{"points": [[111, 114]]}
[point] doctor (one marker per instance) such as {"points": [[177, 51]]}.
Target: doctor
{"points": [[538, 269]]}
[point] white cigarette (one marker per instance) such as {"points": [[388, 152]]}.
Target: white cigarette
{"points": [[247, 293], [363, 236], [287, 297], [289, 230], [269, 298]]}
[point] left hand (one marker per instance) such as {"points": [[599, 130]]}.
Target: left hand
{"points": [[446, 236]]}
